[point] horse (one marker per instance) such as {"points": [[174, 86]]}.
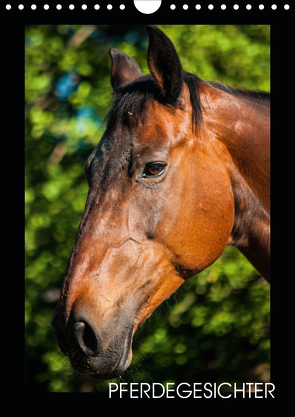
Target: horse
{"points": [[181, 171]]}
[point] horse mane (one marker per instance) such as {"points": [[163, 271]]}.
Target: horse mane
{"points": [[261, 96], [129, 101]]}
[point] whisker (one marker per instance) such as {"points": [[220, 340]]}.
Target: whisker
{"points": [[72, 352]]}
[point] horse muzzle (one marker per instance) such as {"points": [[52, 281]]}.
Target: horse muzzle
{"points": [[101, 356]]}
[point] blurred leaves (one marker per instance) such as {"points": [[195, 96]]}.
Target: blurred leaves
{"points": [[218, 328]]}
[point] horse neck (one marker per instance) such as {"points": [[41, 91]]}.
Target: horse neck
{"points": [[241, 129]]}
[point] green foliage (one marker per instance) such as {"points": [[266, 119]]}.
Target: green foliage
{"points": [[218, 330]]}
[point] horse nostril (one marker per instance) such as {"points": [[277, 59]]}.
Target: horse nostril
{"points": [[86, 338]]}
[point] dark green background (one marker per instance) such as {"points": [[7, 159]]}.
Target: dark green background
{"points": [[216, 327]]}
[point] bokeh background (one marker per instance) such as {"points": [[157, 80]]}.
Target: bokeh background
{"points": [[216, 327]]}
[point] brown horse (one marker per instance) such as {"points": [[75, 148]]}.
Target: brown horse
{"points": [[181, 171]]}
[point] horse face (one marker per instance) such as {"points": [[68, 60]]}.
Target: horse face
{"points": [[159, 209]]}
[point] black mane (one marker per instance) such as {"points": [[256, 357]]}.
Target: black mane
{"points": [[242, 92], [129, 101]]}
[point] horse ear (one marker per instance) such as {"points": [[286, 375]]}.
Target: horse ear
{"points": [[124, 68], [164, 64]]}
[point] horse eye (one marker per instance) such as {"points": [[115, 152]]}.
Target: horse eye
{"points": [[154, 170]]}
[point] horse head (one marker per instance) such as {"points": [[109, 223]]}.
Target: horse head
{"points": [[160, 208]]}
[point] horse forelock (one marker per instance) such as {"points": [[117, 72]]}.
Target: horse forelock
{"points": [[129, 103]]}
